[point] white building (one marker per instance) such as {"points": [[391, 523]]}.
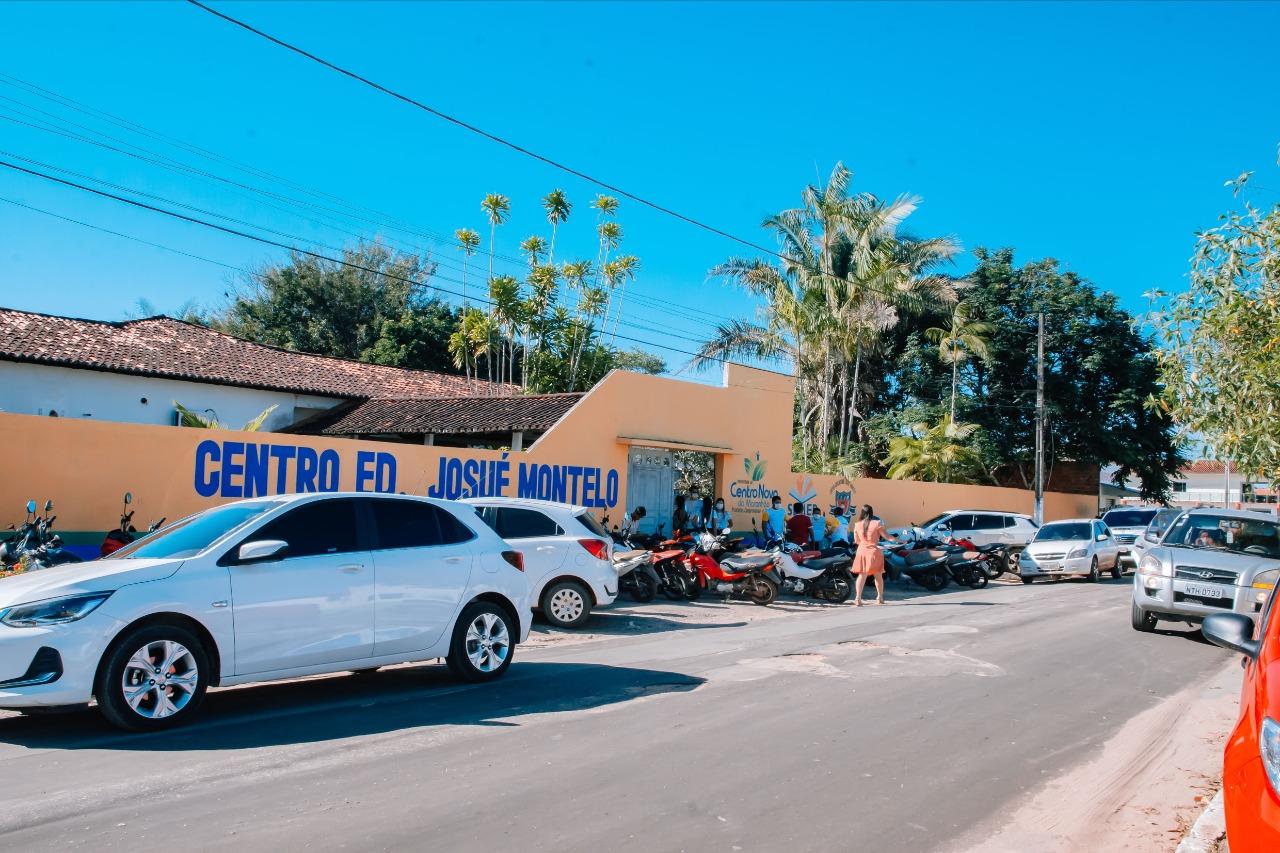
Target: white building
{"points": [[134, 371], [1204, 482]]}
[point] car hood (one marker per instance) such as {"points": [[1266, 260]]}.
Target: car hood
{"points": [[1056, 546], [1129, 531], [1207, 558], [76, 578]]}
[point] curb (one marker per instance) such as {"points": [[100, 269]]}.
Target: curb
{"points": [[1208, 830]]}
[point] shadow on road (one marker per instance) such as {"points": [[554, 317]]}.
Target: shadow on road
{"points": [[634, 622], [346, 706]]}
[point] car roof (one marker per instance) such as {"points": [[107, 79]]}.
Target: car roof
{"points": [[1246, 514], [989, 512], [530, 503], [1070, 521]]}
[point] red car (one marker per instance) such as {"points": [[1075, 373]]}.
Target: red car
{"points": [[1251, 760]]}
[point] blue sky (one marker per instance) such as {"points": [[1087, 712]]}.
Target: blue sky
{"points": [[1098, 134]]}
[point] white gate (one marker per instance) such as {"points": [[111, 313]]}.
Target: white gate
{"points": [[651, 484]]}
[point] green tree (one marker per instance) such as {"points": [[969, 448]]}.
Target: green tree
{"points": [[938, 453], [1219, 342], [963, 338], [468, 242], [558, 207]]}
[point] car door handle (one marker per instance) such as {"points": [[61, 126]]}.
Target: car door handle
{"points": [[545, 548], [351, 568], [453, 559]]}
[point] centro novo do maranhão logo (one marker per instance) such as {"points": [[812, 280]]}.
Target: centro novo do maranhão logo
{"points": [[755, 468], [751, 494]]}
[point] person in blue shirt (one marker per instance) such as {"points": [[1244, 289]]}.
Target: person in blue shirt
{"points": [[839, 531], [719, 518], [775, 520]]}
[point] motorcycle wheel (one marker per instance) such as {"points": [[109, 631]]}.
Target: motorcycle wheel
{"points": [[840, 589], [977, 578], [762, 591], [643, 590], [935, 580], [692, 589], [673, 588]]}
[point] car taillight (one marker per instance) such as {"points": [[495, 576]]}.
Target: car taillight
{"points": [[597, 548], [515, 558]]}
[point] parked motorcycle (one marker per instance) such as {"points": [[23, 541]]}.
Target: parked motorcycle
{"points": [[636, 575], [824, 578], [933, 564], [126, 532], [720, 570], [33, 546]]}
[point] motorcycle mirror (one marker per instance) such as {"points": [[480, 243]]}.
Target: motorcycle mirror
{"points": [[726, 531], [128, 498], [48, 505], [31, 506]]}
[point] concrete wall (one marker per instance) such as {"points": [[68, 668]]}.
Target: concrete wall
{"points": [[85, 465], [37, 389]]}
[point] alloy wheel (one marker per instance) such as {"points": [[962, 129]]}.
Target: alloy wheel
{"points": [[488, 642], [159, 679]]}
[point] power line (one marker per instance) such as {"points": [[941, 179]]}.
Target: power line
{"points": [[301, 251], [486, 134]]}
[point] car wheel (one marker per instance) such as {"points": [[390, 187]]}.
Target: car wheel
{"points": [[566, 604], [1093, 571], [1142, 620], [1014, 553], [152, 678], [1027, 578], [1117, 570], [483, 642]]}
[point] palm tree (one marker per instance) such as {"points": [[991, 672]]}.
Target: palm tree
{"points": [[558, 208], [190, 418], [508, 317], [535, 247], [468, 242], [935, 453], [497, 207], [964, 338]]}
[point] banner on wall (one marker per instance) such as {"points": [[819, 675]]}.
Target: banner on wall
{"points": [[750, 494]]}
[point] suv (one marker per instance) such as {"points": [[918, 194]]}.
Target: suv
{"points": [[567, 554], [1209, 561], [260, 590], [981, 527], [1128, 524]]}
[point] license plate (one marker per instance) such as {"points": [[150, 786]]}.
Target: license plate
{"points": [[1204, 590], [1051, 567]]}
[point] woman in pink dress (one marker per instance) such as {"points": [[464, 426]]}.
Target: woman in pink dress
{"points": [[869, 559]]}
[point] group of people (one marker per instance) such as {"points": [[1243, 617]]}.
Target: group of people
{"points": [[808, 530]]}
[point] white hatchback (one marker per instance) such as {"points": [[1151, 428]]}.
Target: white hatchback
{"points": [[566, 551], [260, 590], [1076, 546]]}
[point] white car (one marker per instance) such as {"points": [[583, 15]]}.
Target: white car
{"points": [[260, 590], [981, 527], [567, 554], [1128, 524], [1076, 546]]}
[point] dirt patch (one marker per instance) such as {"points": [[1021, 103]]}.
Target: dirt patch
{"points": [[1142, 793]]}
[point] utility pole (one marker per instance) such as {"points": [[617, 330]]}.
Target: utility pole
{"points": [[1039, 507], [1226, 486]]}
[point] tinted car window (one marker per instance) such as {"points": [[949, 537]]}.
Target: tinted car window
{"points": [[1160, 524], [1226, 533], [987, 522], [525, 524], [405, 524], [452, 531], [961, 521], [1129, 517], [1064, 532], [322, 527], [590, 522], [193, 534]]}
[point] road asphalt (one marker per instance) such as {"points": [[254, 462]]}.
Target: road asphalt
{"points": [[896, 728]]}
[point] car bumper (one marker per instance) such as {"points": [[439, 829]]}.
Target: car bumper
{"points": [[1169, 598], [80, 646], [1066, 568], [1250, 807]]}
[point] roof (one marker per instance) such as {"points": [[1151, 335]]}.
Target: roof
{"points": [[1204, 466], [440, 415], [175, 349]]}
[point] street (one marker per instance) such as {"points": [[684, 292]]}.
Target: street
{"points": [[917, 726]]}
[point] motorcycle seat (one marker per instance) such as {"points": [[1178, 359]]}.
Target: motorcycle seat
{"points": [[824, 563], [619, 556], [924, 556], [742, 562]]}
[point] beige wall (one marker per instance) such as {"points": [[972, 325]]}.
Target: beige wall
{"points": [[85, 466]]}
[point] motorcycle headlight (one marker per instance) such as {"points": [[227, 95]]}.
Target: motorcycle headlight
{"points": [[53, 611], [1269, 747], [1151, 565], [1078, 553]]}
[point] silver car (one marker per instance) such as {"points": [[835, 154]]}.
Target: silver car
{"points": [[1210, 561], [1127, 524]]}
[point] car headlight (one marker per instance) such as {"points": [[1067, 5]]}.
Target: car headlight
{"points": [[1078, 553], [1269, 747], [1151, 565], [53, 611], [1024, 557], [1264, 582]]}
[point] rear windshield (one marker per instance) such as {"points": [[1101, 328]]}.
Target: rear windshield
{"points": [[1064, 532], [1129, 517], [1226, 533], [591, 523]]}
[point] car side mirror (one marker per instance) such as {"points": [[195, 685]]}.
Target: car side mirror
{"points": [[1102, 537], [1231, 631], [262, 551]]}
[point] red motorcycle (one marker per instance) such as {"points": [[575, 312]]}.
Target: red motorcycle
{"points": [[749, 576], [126, 532], [993, 558]]}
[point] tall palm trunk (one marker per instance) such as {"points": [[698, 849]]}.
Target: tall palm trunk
{"points": [[955, 378]]}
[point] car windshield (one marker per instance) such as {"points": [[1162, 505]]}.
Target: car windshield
{"points": [[1129, 517], [193, 534], [931, 522], [1064, 532], [590, 522], [1226, 533]]}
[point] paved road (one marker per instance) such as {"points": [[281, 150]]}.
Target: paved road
{"points": [[897, 728]]}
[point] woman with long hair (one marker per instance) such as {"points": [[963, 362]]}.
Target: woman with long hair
{"points": [[869, 559]]}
